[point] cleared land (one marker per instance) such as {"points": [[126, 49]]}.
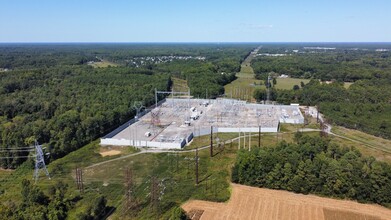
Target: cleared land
{"points": [[347, 85], [5, 173], [288, 83], [245, 84], [179, 85], [103, 64], [257, 203], [367, 144], [110, 153]]}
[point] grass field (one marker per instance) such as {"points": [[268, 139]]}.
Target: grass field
{"points": [[103, 64], [368, 144], [288, 83], [245, 84], [175, 171], [179, 85], [5, 173], [258, 203]]}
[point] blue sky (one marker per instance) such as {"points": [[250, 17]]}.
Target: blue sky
{"points": [[195, 21]]}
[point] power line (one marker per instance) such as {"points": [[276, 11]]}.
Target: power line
{"points": [[18, 148], [15, 150], [16, 157]]}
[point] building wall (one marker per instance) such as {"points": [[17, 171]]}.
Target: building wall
{"points": [[154, 144]]}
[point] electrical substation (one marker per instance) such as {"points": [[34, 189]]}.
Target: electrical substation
{"points": [[173, 122]]}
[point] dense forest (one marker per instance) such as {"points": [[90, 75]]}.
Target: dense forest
{"points": [[50, 93], [365, 105], [67, 107], [314, 165], [333, 63]]}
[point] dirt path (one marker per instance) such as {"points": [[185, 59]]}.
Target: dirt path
{"points": [[259, 203]]}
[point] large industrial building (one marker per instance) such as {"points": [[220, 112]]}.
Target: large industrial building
{"points": [[174, 122]]}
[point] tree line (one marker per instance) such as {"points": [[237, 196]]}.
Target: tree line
{"points": [[341, 64], [52, 95], [365, 105], [68, 107], [315, 165]]}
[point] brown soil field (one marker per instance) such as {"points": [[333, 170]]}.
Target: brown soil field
{"points": [[258, 203], [110, 153]]}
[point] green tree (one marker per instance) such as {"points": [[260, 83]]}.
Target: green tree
{"points": [[58, 206]]}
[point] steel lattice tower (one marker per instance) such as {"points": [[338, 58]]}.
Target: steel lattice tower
{"points": [[39, 161]]}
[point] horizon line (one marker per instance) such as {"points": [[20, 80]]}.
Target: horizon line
{"points": [[184, 42]]}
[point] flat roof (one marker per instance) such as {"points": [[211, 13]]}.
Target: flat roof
{"points": [[168, 122]]}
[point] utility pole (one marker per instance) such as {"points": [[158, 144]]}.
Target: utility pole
{"points": [[244, 140], [259, 137], [239, 140], [39, 161], [79, 179], [176, 157], [154, 194], [249, 141], [211, 141], [317, 114], [196, 166], [129, 190]]}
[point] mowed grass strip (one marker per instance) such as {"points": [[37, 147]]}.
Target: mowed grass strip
{"points": [[367, 144], [244, 86], [179, 85]]}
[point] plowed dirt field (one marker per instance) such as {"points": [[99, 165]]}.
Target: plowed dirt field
{"points": [[258, 203]]}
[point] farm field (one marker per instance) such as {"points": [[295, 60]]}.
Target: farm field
{"points": [[259, 203]]}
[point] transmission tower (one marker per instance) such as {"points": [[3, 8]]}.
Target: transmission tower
{"points": [[155, 119], [39, 161], [79, 180]]}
